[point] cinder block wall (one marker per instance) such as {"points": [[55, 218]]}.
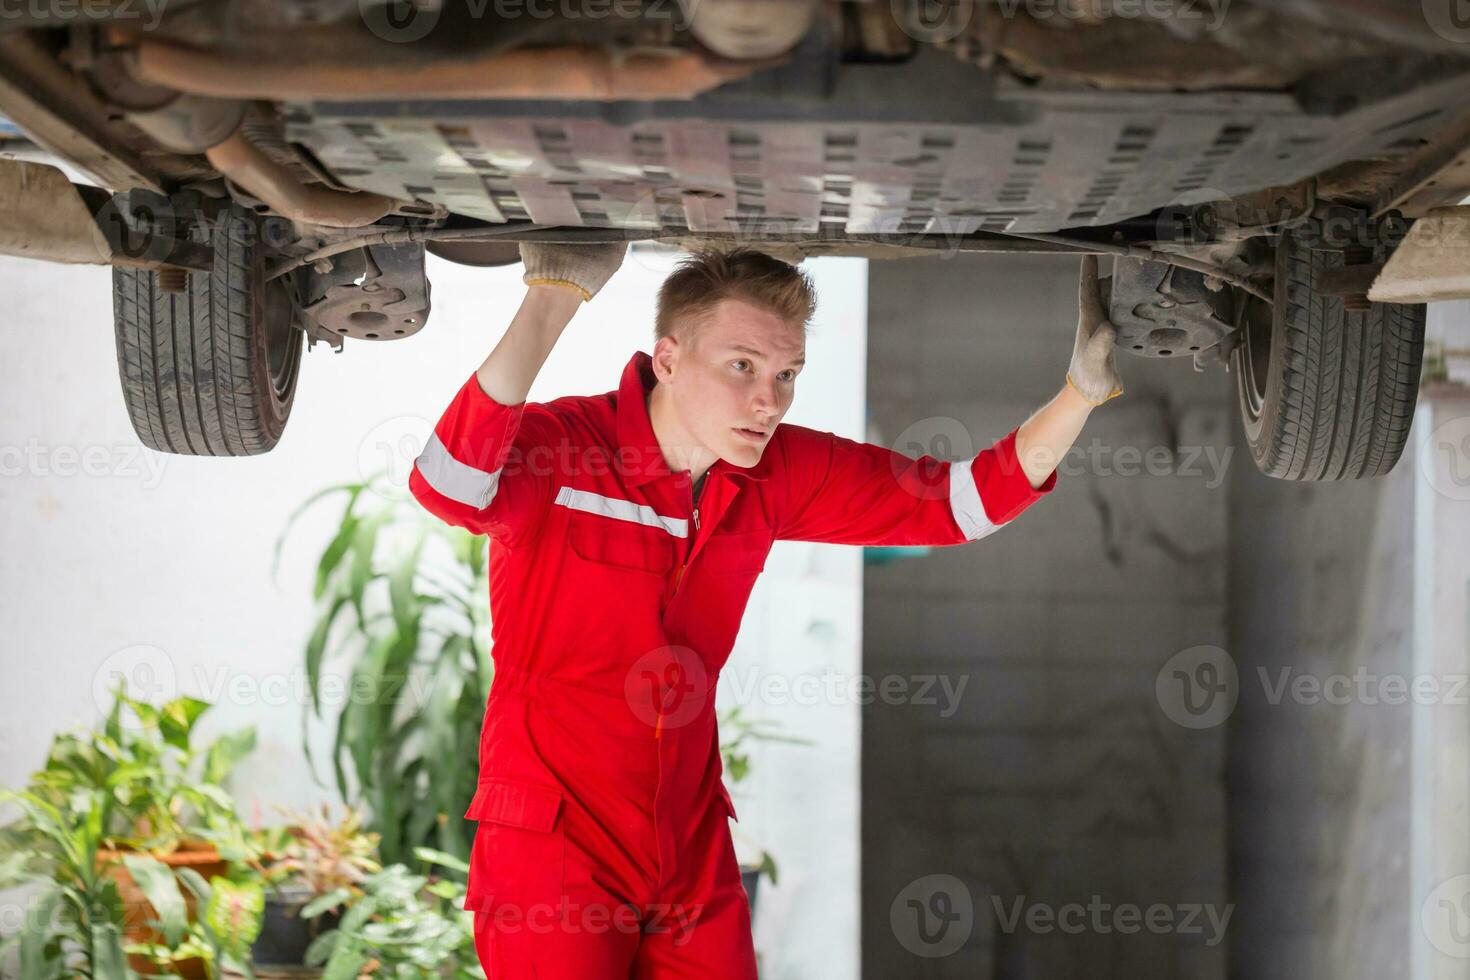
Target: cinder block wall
{"points": [[1320, 776], [1348, 775], [1057, 778]]}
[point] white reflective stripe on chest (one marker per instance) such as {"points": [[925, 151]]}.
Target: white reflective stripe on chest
{"points": [[623, 510]]}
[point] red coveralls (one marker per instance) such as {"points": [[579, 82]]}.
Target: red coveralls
{"points": [[603, 846]]}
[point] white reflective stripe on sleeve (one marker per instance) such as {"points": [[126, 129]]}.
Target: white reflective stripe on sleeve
{"points": [[964, 501], [453, 479], [623, 510]]}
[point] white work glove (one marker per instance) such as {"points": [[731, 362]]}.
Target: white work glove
{"points": [[1092, 371], [585, 268]]}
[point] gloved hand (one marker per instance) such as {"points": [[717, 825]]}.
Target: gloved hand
{"points": [[585, 268], [1092, 371]]}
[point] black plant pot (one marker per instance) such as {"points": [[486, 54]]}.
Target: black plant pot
{"points": [[750, 878], [284, 934]]}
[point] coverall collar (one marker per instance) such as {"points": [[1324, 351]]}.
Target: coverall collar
{"points": [[635, 428]]}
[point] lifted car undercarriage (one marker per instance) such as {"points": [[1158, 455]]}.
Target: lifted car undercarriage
{"points": [[1202, 143]]}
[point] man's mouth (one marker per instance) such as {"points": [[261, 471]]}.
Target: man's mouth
{"points": [[754, 435]]}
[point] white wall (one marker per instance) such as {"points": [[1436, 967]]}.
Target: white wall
{"points": [[159, 566], [802, 631]]}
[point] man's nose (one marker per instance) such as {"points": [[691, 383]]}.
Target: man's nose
{"points": [[766, 398]]}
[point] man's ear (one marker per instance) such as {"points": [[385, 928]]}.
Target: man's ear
{"points": [[665, 357]]}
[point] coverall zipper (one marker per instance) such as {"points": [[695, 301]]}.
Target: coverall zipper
{"points": [[658, 728]]}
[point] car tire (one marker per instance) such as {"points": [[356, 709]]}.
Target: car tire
{"points": [[1326, 392], [211, 370]]}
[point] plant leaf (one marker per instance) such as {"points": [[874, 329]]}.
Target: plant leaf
{"points": [[176, 720], [441, 858], [157, 882], [108, 961], [225, 752], [352, 489], [235, 913], [316, 647]]}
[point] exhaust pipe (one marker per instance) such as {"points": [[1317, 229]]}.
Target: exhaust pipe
{"points": [[566, 72], [247, 165]]}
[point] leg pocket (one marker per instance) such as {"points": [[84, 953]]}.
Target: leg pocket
{"points": [[518, 861]]}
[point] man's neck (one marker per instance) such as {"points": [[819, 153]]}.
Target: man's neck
{"points": [[673, 438]]}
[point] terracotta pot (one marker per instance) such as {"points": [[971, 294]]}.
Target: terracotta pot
{"points": [[137, 910]]}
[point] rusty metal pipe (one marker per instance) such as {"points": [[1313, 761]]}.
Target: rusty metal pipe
{"points": [[563, 72], [244, 163]]}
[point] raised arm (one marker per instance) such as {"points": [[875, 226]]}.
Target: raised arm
{"points": [[474, 471], [1092, 378], [846, 492]]}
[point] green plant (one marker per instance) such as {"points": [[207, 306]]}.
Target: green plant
{"points": [[171, 792], [736, 732], [136, 784], [402, 925], [401, 598], [221, 937], [73, 925]]}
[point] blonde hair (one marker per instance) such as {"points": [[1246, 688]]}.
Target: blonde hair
{"points": [[709, 275]]}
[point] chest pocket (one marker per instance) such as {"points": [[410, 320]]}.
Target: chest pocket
{"points": [[622, 544], [739, 552]]}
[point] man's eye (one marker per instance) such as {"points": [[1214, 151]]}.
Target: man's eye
{"points": [[790, 374], [740, 362]]}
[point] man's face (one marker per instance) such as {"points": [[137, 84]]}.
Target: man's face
{"points": [[735, 378]]}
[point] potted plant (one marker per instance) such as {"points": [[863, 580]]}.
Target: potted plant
{"points": [[310, 856], [114, 821], [736, 731], [171, 807], [401, 924], [189, 944]]}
